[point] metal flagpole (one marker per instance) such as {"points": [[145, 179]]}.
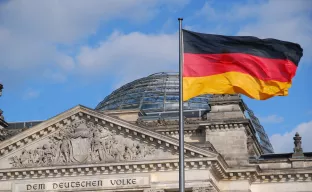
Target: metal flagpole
{"points": [[181, 117]]}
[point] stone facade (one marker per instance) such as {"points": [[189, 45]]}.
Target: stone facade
{"points": [[86, 150]]}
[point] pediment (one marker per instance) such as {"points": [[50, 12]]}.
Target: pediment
{"points": [[84, 136]]}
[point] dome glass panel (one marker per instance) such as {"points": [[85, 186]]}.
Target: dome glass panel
{"points": [[157, 92]]}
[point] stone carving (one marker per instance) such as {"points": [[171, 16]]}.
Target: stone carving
{"points": [[7, 133], [298, 152], [162, 122], [203, 189], [297, 142], [85, 142], [3, 133]]}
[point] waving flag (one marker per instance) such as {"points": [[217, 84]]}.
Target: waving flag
{"points": [[257, 68]]}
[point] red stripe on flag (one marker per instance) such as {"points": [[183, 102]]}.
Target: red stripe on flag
{"points": [[200, 65]]}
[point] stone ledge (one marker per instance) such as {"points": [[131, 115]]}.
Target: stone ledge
{"points": [[100, 169], [256, 175]]}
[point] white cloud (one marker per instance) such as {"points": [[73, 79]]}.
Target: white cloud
{"points": [[66, 21], [131, 56], [271, 119], [287, 20], [284, 142], [30, 36], [292, 22], [31, 94], [31, 31]]}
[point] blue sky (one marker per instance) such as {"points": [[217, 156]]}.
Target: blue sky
{"points": [[57, 54]]}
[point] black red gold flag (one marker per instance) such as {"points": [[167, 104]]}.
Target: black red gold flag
{"points": [[257, 68]]}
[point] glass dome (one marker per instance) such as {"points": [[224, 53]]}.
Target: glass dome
{"points": [[155, 93]]}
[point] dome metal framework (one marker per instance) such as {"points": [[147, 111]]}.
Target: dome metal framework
{"points": [[158, 92]]}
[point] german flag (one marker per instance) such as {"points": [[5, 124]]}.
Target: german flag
{"points": [[257, 68]]}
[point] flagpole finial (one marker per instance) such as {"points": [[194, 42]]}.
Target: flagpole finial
{"points": [[180, 19]]}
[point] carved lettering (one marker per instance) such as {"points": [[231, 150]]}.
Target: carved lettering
{"points": [[74, 185], [35, 187], [77, 184], [123, 181]]}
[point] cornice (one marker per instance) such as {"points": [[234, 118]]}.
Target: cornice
{"points": [[193, 131], [256, 175], [216, 126], [169, 124], [202, 125], [104, 169]]}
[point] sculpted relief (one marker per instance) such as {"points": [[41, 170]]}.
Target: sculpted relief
{"points": [[85, 142]]}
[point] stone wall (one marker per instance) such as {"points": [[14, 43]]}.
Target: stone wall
{"points": [[230, 143], [282, 187]]}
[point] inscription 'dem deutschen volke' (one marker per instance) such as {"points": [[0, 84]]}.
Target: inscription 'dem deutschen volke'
{"points": [[85, 184]]}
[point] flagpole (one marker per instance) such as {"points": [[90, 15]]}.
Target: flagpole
{"points": [[181, 117]]}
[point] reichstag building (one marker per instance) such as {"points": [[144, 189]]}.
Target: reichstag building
{"points": [[129, 142]]}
